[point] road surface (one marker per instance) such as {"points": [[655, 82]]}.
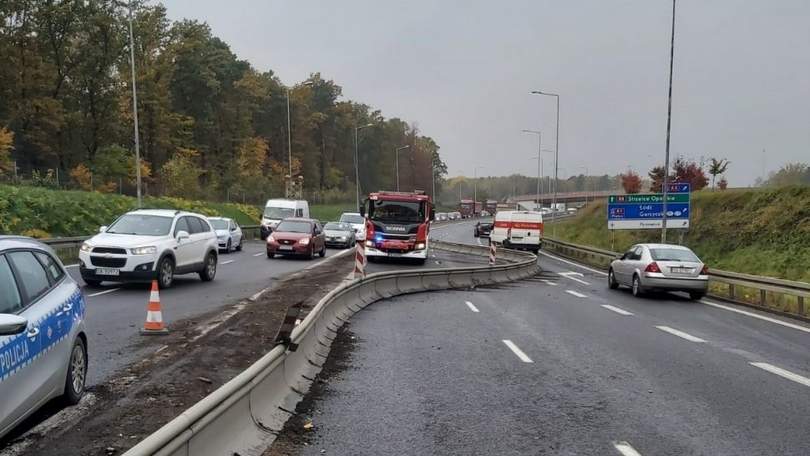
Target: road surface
{"points": [[562, 365]]}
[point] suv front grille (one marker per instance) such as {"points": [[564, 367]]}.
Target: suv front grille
{"points": [[108, 262], [109, 250]]}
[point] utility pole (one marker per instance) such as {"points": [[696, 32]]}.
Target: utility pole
{"points": [[556, 159], [289, 134], [669, 126], [135, 109], [396, 159], [357, 166]]}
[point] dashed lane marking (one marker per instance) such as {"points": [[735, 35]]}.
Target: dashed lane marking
{"points": [[259, 254], [626, 449], [517, 351], [754, 315], [569, 275], [576, 293], [93, 295], [616, 309], [680, 334], [549, 282], [554, 257], [471, 306], [783, 373], [226, 262]]}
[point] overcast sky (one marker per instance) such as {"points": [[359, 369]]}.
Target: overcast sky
{"points": [[462, 70]]}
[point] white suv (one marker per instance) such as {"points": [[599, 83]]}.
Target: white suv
{"points": [[144, 245]]}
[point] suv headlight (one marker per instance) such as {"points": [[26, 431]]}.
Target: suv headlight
{"points": [[86, 247], [304, 241], [150, 250]]}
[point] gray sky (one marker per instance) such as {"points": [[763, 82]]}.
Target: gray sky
{"points": [[462, 70]]}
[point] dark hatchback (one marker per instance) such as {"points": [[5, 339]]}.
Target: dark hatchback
{"points": [[482, 229]]}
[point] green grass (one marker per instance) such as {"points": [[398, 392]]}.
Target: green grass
{"points": [[330, 212], [755, 231], [41, 213]]}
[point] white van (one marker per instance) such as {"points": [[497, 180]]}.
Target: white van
{"points": [[518, 230], [278, 209]]}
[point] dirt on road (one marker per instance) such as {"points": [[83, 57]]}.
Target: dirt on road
{"points": [[197, 357]]}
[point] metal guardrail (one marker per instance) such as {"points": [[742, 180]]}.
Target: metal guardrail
{"points": [[775, 295], [244, 415]]}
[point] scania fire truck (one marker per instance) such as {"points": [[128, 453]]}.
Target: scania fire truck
{"points": [[398, 225]]}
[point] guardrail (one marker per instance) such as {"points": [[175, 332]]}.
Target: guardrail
{"points": [[244, 415], [775, 295]]}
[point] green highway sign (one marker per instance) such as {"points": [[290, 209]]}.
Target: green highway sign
{"points": [[649, 198]]}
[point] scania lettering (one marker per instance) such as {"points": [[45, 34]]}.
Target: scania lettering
{"points": [[397, 225]]}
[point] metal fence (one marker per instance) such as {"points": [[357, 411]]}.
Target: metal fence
{"points": [[775, 295]]}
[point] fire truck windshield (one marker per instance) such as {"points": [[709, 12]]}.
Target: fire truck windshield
{"points": [[397, 211]]}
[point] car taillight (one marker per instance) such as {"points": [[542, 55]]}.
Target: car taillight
{"points": [[652, 267], [705, 270]]}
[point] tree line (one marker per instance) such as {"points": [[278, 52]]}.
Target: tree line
{"points": [[211, 125]]}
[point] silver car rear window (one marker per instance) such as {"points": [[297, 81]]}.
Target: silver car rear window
{"points": [[673, 255]]}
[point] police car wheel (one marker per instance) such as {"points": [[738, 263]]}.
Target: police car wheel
{"points": [[77, 373]]}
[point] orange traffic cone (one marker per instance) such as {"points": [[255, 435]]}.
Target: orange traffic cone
{"points": [[154, 317]]}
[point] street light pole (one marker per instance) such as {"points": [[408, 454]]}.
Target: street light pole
{"points": [[135, 110], [289, 134], [356, 166], [396, 155], [556, 159], [475, 188], [539, 161], [669, 125]]}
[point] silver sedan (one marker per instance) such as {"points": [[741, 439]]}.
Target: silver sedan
{"points": [[660, 267]]}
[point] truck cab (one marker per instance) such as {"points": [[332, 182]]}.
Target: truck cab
{"points": [[398, 225]]}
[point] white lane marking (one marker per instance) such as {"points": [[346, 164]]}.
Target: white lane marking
{"points": [[783, 373], [479, 241], [568, 275], [471, 306], [680, 334], [761, 317], [72, 265], [226, 262], [218, 320], [554, 257], [616, 309], [258, 254], [575, 293], [517, 351], [549, 282], [258, 295], [102, 292], [626, 449]]}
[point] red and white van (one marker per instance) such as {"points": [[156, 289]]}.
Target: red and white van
{"points": [[518, 230]]}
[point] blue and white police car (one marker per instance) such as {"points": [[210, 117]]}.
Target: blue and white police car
{"points": [[43, 345]]}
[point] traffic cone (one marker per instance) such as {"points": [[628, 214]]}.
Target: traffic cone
{"points": [[154, 317]]}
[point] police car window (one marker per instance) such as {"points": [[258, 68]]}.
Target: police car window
{"points": [[53, 269], [182, 225], [32, 276], [10, 301]]}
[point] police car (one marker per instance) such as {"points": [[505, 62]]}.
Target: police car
{"points": [[43, 345]]}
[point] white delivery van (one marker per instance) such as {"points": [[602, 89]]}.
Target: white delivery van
{"points": [[518, 230], [277, 210]]}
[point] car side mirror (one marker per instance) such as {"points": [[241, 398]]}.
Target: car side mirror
{"points": [[363, 209], [102, 229], [233, 229], [12, 324], [182, 236]]}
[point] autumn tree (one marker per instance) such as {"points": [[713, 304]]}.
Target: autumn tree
{"points": [[181, 174], [631, 182], [723, 184], [717, 167], [6, 145], [691, 172]]}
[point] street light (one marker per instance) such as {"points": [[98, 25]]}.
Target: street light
{"points": [[135, 109], [539, 161], [396, 154], [289, 128], [556, 157], [475, 187], [356, 166], [669, 125]]}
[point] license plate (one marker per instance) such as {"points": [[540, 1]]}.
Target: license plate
{"points": [[107, 271], [285, 247], [682, 270]]}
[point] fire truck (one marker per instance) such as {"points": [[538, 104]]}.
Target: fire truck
{"points": [[466, 208], [491, 206], [397, 225]]}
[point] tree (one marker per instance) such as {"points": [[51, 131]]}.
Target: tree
{"points": [[657, 179], [691, 172], [6, 146], [723, 184], [717, 167], [790, 174], [181, 174], [631, 182]]}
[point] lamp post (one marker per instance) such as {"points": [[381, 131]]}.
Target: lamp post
{"points": [[356, 166], [669, 125], [475, 188], [556, 158], [135, 110], [539, 161], [396, 155]]}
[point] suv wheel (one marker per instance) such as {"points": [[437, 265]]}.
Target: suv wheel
{"points": [[76, 374], [210, 269], [322, 253], [166, 272], [229, 247], [239, 247]]}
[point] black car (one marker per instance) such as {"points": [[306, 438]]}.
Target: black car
{"points": [[482, 229]]}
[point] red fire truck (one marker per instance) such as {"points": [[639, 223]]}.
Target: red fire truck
{"points": [[466, 208], [398, 225]]}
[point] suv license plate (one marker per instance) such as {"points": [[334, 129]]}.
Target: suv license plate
{"points": [[285, 247], [107, 271]]}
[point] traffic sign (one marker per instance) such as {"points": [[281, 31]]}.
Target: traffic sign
{"points": [[645, 211]]}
